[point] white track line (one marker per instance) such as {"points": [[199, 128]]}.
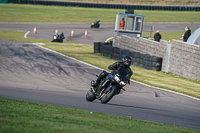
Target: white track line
{"points": [[109, 39], [131, 79], [25, 35]]}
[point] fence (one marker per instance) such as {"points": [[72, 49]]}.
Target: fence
{"points": [[117, 6]]}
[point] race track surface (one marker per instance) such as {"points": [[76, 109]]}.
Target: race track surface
{"points": [[106, 30], [32, 73]]}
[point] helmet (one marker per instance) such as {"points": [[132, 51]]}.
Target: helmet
{"points": [[127, 60]]}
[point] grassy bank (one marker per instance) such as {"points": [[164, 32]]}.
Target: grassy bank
{"points": [[59, 14], [167, 35], [85, 53], [20, 116]]}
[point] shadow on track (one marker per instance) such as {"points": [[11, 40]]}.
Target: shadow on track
{"points": [[135, 107]]}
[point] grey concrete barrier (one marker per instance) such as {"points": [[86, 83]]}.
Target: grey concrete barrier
{"points": [[145, 61]]}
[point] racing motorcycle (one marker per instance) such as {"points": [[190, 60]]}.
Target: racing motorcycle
{"points": [[58, 38], [96, 24], [108, 87]]}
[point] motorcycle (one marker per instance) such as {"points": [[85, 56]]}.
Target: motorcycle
{"points": [[108, 87], [95, 24], [58, 38]]}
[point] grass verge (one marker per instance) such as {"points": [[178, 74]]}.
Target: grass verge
{"points": [[60, 14], [167, 35], [20, 116], [85, 53]]}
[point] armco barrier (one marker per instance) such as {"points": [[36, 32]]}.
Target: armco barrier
{"points": [[101, 5], [140, 60]]}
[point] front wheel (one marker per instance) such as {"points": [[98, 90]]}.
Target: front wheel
{"points": [[90, 96], [108, 95]]}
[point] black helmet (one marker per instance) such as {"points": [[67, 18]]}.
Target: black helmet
{"points": [[127, 60]]}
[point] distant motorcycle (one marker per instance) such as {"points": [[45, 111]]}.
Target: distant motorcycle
{"points": [[58, 38], [108, 87], [96, 24]]}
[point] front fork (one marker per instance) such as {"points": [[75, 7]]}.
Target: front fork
{"points": [[98, 90]]}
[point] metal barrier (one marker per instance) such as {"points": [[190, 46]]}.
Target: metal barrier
{"points": [[100, 5]]}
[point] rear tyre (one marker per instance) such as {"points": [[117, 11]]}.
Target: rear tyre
{"points": [[90, 96], [109, 95]]}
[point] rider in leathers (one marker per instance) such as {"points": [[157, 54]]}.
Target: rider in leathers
{"points": [[126, 62]]}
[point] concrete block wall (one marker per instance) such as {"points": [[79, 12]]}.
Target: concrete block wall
{"points": [[185, 60], [142, 45], [184, 57]]}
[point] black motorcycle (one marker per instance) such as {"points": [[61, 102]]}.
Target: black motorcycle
{"points": [[58, 38], [96, 24], [109, 86]]}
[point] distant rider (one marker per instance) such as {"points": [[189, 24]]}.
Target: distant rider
{"points": [[125, 64]]}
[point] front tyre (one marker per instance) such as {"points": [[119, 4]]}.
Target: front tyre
{"points": [[90, 96], [109, 95]]}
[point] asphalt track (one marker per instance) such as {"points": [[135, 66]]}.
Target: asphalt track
{"points": [[106, 30], [32, 73]]}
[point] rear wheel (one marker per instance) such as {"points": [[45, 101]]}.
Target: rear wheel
{"points": [[90, 96], [108, 95]]}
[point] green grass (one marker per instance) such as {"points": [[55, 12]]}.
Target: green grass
{"points": [[85, 53], [167, 35], [170, 16], [21, 116], [60, 14]]}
